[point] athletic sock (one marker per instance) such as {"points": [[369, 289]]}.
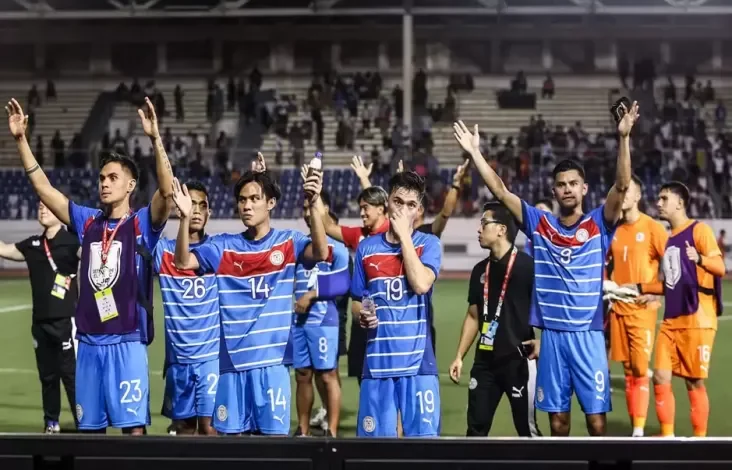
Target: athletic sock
{"points": [[699, 410], [630, 396], [641, 397], [665, 408]]}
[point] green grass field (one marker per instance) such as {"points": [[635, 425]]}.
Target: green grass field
{"points": [[20, 396]]}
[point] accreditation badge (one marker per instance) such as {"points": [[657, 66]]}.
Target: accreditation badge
{"points": [[487, 335], [60, 285]]}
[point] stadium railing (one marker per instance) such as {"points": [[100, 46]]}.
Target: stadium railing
{"points": [[71, 452]]}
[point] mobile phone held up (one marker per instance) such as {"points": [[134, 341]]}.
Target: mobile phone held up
{"points": [[619, 108]]}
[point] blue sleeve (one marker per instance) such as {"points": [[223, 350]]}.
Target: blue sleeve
{"points": [[157, 254], [209, 256], [432, 254], [78, 216], [531, 216], [301, 241], [606, 230], [150, 234], [358, 283], [336, 282]]}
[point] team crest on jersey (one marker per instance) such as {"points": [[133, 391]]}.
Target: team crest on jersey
{"points": [[672, 266], [582, 235], [277, 258], [539, 394], [640, 236], [103, 276], [369, 424], [79, 412], [222, 413]]}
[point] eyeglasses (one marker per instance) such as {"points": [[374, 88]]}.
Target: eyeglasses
{"points": [[485, 222]]}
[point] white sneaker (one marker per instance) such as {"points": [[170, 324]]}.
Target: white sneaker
{"points": [[637, 432], [319, 417]]}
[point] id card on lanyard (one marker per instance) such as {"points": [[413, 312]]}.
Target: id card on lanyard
{"points": [[61, 283], [106, 306], [488, 332]]}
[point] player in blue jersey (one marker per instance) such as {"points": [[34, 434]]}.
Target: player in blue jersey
{"points": [[569, 253], [395, 271], [114, 312], [316, 327], [543, 205], [192, 330], [255, 271]]}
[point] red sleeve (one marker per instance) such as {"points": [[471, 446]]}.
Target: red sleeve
{"points": [[351, 236]]}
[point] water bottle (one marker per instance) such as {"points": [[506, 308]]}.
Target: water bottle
{"points": [[315, 164], [367, 306]]}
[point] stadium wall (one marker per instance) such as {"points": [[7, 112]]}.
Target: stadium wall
{"points": [[459, 241]]}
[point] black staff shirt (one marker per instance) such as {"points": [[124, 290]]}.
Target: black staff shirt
{"points": [[64, 248], [513, 323]]}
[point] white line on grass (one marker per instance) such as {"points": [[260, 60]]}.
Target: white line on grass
{"points": [[15, 308]]}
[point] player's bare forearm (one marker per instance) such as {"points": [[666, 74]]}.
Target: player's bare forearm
{"points": [[497, 186], [10, 252], [440, 222], [468, 332], [365, 182], [714, 265], [655, 288], [183, 257], [51, 197], [160, 207], [332, 229], [419, 276], [318, 249], [616, 195]]}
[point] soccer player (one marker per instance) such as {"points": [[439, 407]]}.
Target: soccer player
{"points": [[396, 271], [255, 272], [569, 253], [636, 252], [543, 205], [316, 328], [692, 268], [114, 312], [192, 331]]}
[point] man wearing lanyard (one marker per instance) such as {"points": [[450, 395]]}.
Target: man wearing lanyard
{"points": [[53, 260], [501, 287]]}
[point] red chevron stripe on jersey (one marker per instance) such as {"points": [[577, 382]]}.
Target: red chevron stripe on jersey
{"points": [[167, 266], [585, 231], [385, 264], [257, 263]]}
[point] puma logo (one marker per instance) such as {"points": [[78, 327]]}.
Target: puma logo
{"points": [[239, 264], [281, 419], [428, 421], [133, 411], [323, 358], [66, 345], [516, 392], [375, 265], [600, 397]]}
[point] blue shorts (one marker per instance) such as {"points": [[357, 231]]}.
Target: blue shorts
{"points": [[190, 390], [112, 386], [315, 347], [416, 397], [256, 400], [573, 361]]}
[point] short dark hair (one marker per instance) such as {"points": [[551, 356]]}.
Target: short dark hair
{"points": [[635, 179], [196, 185], [679, 189], [264, 179], [375, 196], [546, 202], [409, 181], [503, 216], [126, 162], [568, 165]]}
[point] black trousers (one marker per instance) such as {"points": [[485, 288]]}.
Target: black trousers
{"points": [[56, 362], [515, 377]]}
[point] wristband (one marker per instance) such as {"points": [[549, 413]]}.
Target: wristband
{"points": [[455, 186], [32, 169], [699, 261], [638, 286]]}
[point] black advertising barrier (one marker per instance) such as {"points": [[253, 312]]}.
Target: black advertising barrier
{"points": [[97, 452]]}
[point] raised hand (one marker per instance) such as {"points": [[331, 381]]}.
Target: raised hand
{"points": [[313, 185], [304, 172], [469, 142], [626, 124], [149, 119], [181, 198], [17, 120], [400, 166], [691, 253], [457, 180], [361, 170], [259, 165]]}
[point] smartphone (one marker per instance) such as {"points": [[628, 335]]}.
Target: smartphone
{"points": [[620, 108]]}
